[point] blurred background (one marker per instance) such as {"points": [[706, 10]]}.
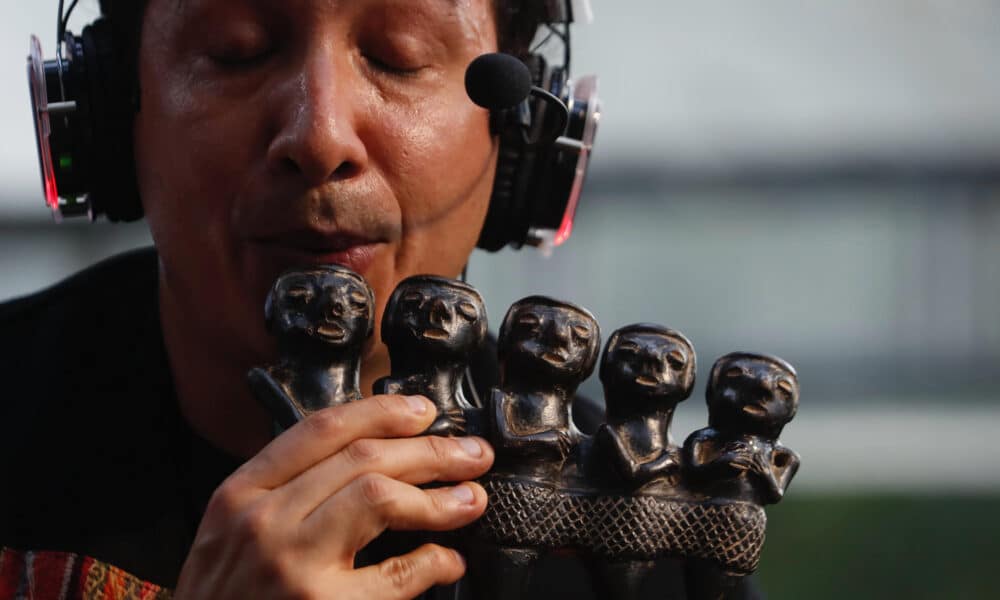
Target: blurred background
{"points": [[817, 180]]}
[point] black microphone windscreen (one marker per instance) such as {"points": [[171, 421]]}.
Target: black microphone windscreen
{"points": [[497, 81]]}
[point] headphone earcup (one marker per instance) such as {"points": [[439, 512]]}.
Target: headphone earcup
{"points": [[113, 187], [496, 229], [507, 219]]}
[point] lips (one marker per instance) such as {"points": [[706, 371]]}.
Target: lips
{"points": [[331, 331], [435, 334], [647, 381], [305, 247], [553, 358]]}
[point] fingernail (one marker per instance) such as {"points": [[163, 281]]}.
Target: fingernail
{"points": [[471, 447], [463, 494], [460, 558], [417, 404]]}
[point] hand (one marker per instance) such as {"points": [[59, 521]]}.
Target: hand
{"points": [[288, 523]]}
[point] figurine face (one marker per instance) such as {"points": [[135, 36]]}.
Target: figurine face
{"points": [[331, 306], [644, 363], [755, 393], [436, 315], [554, 339]]}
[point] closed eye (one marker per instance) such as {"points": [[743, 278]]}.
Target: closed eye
{"points": [[300, 294], [238, 60], [677, 359], [581, 331], [358, 299], [392, 68], [467, 310], [413, 298], [630, 347], [530, 320], [734, 372]]}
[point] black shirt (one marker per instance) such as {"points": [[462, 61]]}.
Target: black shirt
{"points": [[95, 457]]}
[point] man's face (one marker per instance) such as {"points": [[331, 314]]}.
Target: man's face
{"points": [[282, 133]]}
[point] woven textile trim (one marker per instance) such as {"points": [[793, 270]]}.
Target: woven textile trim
{"points": [[65, 576]]}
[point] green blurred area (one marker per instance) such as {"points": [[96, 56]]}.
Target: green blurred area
{"points": [[882, 547]]}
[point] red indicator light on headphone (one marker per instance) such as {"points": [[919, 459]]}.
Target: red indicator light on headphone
{"points": [[575, 149], [43, 127]]}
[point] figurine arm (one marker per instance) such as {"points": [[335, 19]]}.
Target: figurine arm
{"points": [[664, 465], [387, 385], [507, 439], [620, 457], [447, 424], [282, 409], [784, 465], [705, 455]]}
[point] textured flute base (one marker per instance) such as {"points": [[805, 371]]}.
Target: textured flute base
{"points": [[526, 514]]}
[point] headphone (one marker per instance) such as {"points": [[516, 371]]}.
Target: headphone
{"points": [[84, 100]]}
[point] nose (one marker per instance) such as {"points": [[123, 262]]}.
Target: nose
{"points": [[317, 137], [557, 334], [662, 370], [440, 312]]}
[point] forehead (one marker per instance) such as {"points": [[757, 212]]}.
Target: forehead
{"points": [[434, 288], [760, 366], [321, 278], [551, 309], [461, 12], [651, 338]]}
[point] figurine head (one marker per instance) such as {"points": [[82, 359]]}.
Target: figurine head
{"points": [[648, 362], [327, 305], [435, 315], [752, 393], [550, 339]]}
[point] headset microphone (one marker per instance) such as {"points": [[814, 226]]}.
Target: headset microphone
{"points": [[501, 82], [498, 81], [545, 143]]}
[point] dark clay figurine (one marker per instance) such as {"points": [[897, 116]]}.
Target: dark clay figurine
{"points": [[620, 499], [751, 397], [431, 326], [546, 349], [321, 316], [646, 371]]}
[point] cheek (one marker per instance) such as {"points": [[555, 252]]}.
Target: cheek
{"points": [[438, 156]]}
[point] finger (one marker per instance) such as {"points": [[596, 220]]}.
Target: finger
{"points": [[411, 574], [411, 460], [328, 431], [372, 503]]}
